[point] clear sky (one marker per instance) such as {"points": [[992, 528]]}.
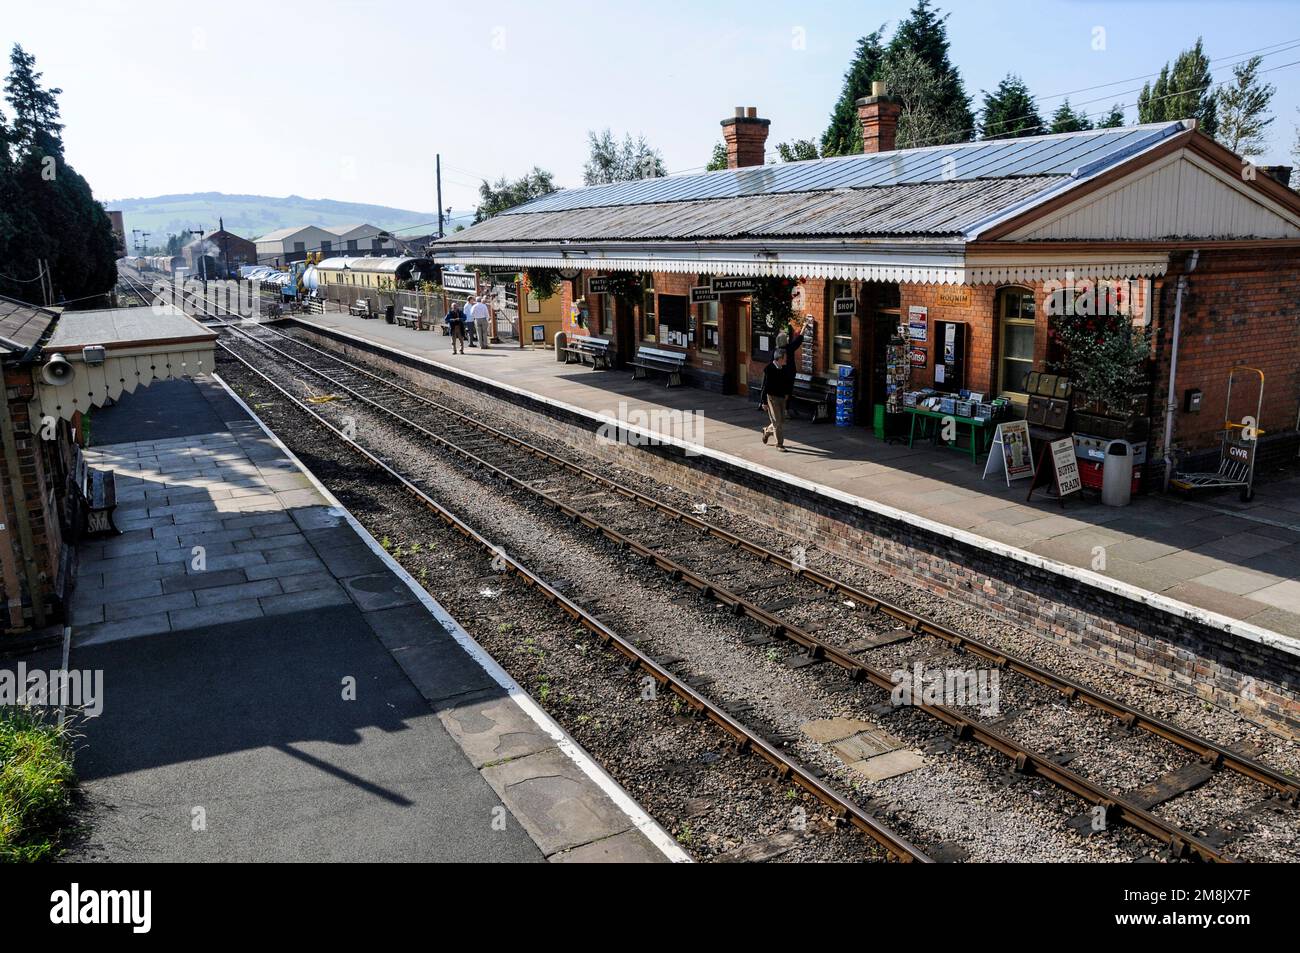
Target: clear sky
{"points": [[350, 100]]}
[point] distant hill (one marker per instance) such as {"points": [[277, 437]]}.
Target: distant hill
{"points": [[255, 215]]}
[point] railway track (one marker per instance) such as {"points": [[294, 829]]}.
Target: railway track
{"points": [[551, 478], [746, 739]]}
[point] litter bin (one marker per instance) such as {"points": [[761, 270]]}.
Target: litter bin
{"points": [[1117, 474]]}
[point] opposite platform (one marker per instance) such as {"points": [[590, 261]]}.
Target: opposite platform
{"points": [[1218, 562]]}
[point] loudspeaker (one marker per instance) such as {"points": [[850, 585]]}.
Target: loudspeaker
{"points": [[57, 371]]}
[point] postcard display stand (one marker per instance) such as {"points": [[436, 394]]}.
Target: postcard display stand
{"points": [[898, 368], [1011, 451]]}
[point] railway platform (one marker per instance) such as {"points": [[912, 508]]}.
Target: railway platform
{"points": [[1218, 562], [318, 704]]}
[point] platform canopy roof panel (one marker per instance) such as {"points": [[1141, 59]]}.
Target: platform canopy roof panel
{"points": [[1069, 155], [140, 345]]}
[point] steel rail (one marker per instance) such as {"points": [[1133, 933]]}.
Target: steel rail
{"points": [[1208, 751], [1115, 806], [745, 738]]}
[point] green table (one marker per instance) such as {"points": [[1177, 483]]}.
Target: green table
{"points": [[979, 430]]}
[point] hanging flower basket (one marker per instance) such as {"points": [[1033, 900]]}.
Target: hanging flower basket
{"points": [[773, 302], [543, 282], [625, 287]]}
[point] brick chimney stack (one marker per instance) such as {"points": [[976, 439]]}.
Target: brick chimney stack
{"points": [[746, 138], [878, 114], [1278, 173]]}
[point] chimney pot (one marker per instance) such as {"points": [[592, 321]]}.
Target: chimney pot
{"points": [[746, 138], [878, 88]]}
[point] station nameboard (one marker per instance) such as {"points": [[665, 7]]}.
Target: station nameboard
{"points": [[703, 293], [466, 281], [733, 285]]}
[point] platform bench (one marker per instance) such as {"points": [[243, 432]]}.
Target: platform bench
{"points": [[361, 308], [409, 318], [649, 359], [588, 350], [816, 392], [98, 492]]}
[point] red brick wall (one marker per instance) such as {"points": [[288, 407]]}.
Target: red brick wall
{"points": [[38, 470], [1238, 308]]}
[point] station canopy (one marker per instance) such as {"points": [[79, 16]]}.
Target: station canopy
{"points": [[140, 345]]}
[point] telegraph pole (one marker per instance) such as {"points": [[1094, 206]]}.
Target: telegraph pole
{"points": [[225, 246], [438, 161]]}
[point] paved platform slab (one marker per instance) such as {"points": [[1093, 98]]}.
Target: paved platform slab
{"points": [[1239, 562], [276, 689]]}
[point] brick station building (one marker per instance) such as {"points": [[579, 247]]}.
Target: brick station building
{"points": [[980, 234], [101, 355]]}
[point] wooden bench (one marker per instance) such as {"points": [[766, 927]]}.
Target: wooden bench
{"points": [[409, 318], [818, 392], [361, 308], [588, 350], [98, 492], [653, 359]]}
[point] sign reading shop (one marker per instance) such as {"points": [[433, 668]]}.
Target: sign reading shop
{"points": [[463, 281]]}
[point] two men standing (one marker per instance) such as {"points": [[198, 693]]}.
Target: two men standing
{"points": [[476, 316]]}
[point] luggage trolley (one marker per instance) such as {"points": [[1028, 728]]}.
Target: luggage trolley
{"points": [[1237, 454]]}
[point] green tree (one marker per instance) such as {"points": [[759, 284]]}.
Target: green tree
{"points": [[1243, 107], [797, 151], [718, 161], [1185, 91], [925, 33], [611, 161], [1113, 119], [1009, 111], [1066, 119], [504, 194], [843, 136], [36, 109], [914, 83], [47, 211]]}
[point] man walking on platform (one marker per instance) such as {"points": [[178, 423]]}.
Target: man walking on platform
{"points": [[777, 386]]}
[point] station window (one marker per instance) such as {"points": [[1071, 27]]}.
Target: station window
{"points": [[649, 314], [708, 326], [1016, 318], [841, 326]]}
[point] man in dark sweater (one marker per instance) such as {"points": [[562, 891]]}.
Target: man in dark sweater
{"points": [[777, 386]]}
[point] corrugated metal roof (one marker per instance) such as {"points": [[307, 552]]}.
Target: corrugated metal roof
{"points": [[22, 325], [943, 208], [1059, 155], [938, 191]]}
